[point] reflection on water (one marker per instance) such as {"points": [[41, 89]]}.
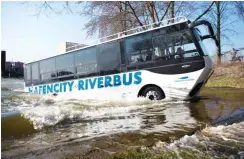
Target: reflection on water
{"points": [[222, 108], [32, 122]]}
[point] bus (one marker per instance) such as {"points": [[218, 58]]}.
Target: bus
{"points": [[164, 60]]}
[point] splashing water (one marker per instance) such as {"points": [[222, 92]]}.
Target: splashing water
{"points": [[218, 142], [51, 121]]}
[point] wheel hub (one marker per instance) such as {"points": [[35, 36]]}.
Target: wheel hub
{"points": [[152, 95]]}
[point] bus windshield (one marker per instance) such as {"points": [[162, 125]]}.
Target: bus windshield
{"points": [[197, 34]]}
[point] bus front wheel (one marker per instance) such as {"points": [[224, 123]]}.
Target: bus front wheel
{"points": [[153, 93]]}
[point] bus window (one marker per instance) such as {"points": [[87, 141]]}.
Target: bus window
{"points": [[65, 64], [161, 49], [188, 46], [122, 52], [108, 58], [47, 69], [86, 61], [166, 47], [35, 72], [28, 74], [139, 48], [197, 33]]}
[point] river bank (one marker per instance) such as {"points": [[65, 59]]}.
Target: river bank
{"points": [[227, 75]]}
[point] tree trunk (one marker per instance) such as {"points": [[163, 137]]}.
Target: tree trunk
{"points": [[172, 15], [218, 32], [151, 11], [120, 6], [172, 10], [125, 16]]}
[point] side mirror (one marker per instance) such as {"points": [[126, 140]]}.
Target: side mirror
{"points": [[212, 37]]}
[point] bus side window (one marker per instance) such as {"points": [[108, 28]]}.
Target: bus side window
{"points": [[35, 72], [28, 74], [65, 64], [139, 48], [122, 52], [161, 49], [47, 69], [108, 56], [86, 61]]}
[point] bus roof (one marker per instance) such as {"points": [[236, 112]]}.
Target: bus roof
{"points": [[128, 33]]}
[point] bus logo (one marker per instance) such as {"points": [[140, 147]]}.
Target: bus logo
{"points": [[184, 77]]}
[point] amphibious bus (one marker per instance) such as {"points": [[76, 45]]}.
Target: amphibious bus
{"points": [[162, 60]]}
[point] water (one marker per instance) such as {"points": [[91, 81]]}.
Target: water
{"points": [[35, 126]]}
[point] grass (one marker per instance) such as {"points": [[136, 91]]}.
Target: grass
{"points": [[235, 95], [227, 75], [184, 153], [225, 81], [134, 153]]}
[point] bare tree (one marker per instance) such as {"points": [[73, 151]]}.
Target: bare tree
{"points": [[240, 9], [223, 23], [222, 16], [109, 17]]}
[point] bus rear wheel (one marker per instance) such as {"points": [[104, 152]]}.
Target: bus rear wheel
{"points": [[153, 93]]}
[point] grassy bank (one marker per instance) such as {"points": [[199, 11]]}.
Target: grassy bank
{"points": [[227, 75]]}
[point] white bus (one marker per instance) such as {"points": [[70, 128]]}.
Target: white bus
{"points": [[157, 61]]}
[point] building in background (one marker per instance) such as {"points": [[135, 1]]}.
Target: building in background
{"points": [[11, 68], [68, 46]]}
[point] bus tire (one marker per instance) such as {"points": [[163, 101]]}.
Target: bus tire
{"points": [[153, 93]]}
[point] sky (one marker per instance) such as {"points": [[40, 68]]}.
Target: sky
{"points": [[27, 37]]}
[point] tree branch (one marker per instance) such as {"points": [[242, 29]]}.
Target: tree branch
{"points": [[206, 11], [166, 11], [134, 13], [154, 8], [151, 11]]}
